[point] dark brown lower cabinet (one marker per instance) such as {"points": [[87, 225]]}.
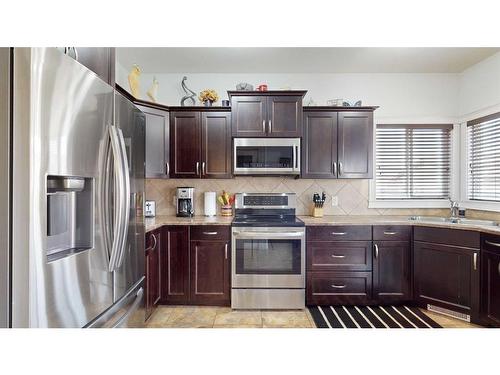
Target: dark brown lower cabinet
{"points": [[175, 263], [338, 288], [447, 276], [391, 271], [490, 290], [153, 272], [210, 272]]}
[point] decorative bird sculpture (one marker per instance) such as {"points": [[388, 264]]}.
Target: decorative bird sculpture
{"points": [[153, 90], [187, 91], [134, 81]]}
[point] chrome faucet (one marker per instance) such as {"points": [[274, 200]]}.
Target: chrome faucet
{"points": [[453, 209]]}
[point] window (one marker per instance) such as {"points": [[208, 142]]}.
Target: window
{"points": [[413, 162], [483, 140]]}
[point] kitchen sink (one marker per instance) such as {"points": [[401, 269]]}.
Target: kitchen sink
{"points": [[452, 220]]}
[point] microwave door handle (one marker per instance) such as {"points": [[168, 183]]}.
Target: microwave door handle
{"points": [[296, 148]]}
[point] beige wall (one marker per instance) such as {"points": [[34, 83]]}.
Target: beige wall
{"points": [[352, 194]]}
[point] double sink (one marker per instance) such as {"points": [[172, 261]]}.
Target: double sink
{"points": [[455, 220]]}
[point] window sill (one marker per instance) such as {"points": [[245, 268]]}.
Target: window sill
{"points": [[481, 205], [436, 203]]}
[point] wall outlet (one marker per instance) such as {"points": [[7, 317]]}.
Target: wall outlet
{"points": [[335, 201]]}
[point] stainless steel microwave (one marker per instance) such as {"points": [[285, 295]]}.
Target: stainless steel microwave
{"points": [[266, 156]]}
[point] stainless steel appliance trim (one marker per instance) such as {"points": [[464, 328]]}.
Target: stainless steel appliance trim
{"points": [[268, 281], [103, 201], [268, 298], [239, 200], [131, 310], [270, 235]]}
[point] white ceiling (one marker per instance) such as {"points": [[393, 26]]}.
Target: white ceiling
{"points": [[302, 60]]}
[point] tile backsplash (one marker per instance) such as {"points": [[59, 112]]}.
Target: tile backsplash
{"points": [[352, 194]]}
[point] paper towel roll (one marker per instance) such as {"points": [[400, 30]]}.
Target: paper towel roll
{"points": [[210, 203]]}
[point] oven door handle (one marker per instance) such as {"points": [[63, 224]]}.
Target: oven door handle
{"points": [[268, 234]]}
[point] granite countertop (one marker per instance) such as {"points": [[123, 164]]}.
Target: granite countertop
{"points": [[158, 221]]}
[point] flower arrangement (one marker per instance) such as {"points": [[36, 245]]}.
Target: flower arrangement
{"points": [[208, 96]]}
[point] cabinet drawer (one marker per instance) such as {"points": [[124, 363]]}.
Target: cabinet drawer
{"points": [[347, 256], [339, 233], [457, 237], [210, 233], [338, 287], [391, 232], [491, 243]]}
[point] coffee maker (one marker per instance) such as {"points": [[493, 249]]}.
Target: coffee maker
{"points": [[184, 201]]}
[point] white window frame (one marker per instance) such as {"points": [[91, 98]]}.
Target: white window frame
{"points": [[465, 202], [373, 202]]}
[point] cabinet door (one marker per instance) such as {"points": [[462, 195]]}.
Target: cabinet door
{"points": [[355, 144], [210, 272], [446, 276], [157, 142], [153, 246], [249, 116], [216, 144], [319, 145], [175, 265], [185, 144], [284, 116], [490, 289], [101, 60], [391, 271]]}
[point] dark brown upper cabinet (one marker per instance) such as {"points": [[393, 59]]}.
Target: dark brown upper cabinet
{"points": [[157, 142], [101, 60], [338, 142], [355, 144], [266, 114], [200, 144]]}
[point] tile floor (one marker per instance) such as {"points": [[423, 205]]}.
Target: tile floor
{"points": [[224, 317]]}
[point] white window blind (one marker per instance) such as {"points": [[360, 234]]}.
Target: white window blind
{"points": [[484, 158], [413, 161]]}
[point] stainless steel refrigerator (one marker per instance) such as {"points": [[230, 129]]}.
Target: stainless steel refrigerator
{"points": [[73, 190]]}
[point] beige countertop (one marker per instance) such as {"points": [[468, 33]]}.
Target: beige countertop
{"points": [[158, 221]]}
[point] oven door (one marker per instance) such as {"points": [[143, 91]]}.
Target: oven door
{"points": [[253, 156], [268, 257]]}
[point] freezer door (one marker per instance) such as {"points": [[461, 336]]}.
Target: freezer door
{"points": [[62, 112], [130, 264], [127, 312]]}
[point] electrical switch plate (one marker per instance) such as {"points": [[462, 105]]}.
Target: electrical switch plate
{"points": [[335, 201]]}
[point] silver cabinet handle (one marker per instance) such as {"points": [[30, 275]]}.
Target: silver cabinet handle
{"points": [[225, 251], [499, 268], [270, 127], [264, 126], [341, 169], [167, 168], [338, 256], [338, 286], [390, 233], [339, 233], [475, 261], [155, 243], [376, 251], [197, 168], [203, 168], [335, 168], [210, 233], [492, 243]]}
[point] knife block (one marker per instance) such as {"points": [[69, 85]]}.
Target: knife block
{"points": [[317, 212]]}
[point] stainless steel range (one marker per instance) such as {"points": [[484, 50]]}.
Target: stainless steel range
{"points": [[268, 253]]}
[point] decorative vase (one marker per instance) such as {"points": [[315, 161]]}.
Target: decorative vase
{"points": [[208, 103], [226, 210]]}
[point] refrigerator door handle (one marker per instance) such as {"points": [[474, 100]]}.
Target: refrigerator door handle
{"points": [[119, 193], [125, 199], [131, 310], [103, 201]]}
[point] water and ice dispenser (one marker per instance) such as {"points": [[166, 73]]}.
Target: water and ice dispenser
{"points": [[70, 211]]}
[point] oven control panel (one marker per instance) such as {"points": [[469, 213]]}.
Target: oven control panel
{"points": [[264, 200], [267, 200]]}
